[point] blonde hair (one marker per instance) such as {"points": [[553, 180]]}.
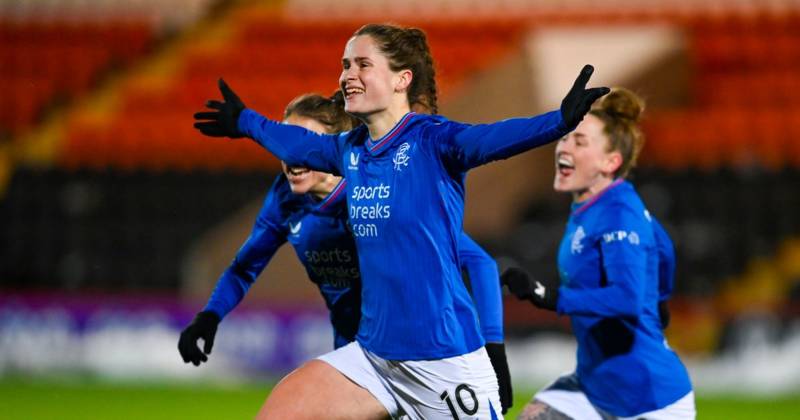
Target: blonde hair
{"points": [[620, 112]]}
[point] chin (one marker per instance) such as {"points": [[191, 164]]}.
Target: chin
{"points": [[355, 111], [561, 186], [299, 188]]}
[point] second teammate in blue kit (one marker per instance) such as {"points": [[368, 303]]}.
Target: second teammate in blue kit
{"points": [[615, 265]]}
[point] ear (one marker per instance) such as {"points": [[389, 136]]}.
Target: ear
{"points": [[403, 80], [612, 163]]}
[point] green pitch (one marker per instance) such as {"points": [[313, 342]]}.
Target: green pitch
{"points": [[84, 399]]}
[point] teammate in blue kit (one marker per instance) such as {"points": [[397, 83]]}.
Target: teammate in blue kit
{"points": [[305, 208], [616, 264], [418, 351], [308, 209]]}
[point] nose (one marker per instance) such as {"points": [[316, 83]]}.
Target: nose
{"points": [[347, 74], [565, 145]]}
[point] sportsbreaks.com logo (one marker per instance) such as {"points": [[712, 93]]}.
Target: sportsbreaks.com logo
{"points": [[362, 216]]}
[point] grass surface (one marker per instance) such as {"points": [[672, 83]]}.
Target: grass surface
{"points": [[87, 399]]}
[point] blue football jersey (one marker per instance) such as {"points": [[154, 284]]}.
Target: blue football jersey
{"points": [[320, 236], [610, 262], [318, 232], [405, 203]]}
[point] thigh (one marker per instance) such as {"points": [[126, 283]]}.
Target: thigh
{"points": [[317, 390], [461, 387]]}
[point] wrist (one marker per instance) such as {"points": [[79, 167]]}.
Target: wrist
{"points": [[207, 317]]}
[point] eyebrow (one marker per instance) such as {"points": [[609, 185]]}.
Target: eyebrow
{"points": [[355, 59]]}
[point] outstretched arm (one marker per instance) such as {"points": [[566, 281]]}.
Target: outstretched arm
{"points": [[250, 260], [294, 145], [233, 284], [473, 145]]}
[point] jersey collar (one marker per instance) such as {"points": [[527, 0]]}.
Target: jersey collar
{"points": [[335, 196], [377, 146], [579, 208]]}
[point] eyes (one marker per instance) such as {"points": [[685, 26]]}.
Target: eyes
{"points": [[361, 63], [578, 139]]}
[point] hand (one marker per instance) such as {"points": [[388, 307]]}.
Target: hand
{"points": [[579, 100], [224, 122], [543, 294], [497, 355], [203, 326], [663, 313]]}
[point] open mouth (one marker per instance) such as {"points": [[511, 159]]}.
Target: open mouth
{"points": [[297, 171], [565, 166], [351, 92]]}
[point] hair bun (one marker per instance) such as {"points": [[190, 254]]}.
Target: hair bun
{"points": [[623, 104]]}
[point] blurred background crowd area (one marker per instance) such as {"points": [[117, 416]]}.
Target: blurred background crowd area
{"points": [[108, 195]]}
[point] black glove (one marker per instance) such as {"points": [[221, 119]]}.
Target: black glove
{"points": [[203, 326], [663, 313], [224, 122], [579, 99], [543, 294], [497, 355]]}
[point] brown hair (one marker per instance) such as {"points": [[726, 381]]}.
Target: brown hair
{"points": [[620, 111], [407, 48], [328, 111]]}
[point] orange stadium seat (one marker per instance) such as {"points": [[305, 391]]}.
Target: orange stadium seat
{"points": [[57, 60]]}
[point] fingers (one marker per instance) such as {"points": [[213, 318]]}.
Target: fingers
{"points": [[211, 129], [207, 116], [594, 94], [227, 93], [589, 96], [208, 340], [190, 353], [184, 351], [518, 282], [583, 78], [187, 348], [214, 104]]}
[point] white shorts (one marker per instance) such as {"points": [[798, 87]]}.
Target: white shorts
{"points": [[460, 387], [565, 395]]}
